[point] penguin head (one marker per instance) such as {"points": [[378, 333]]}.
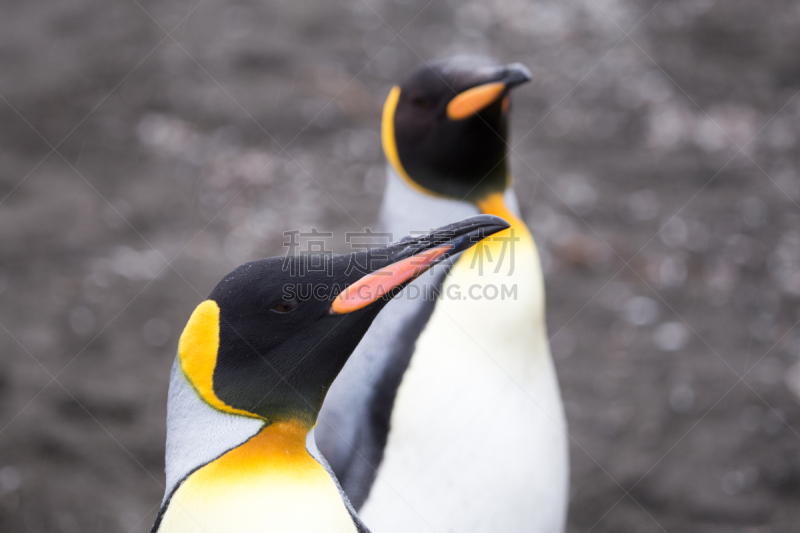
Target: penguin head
{"points": [[274, 333], [445, 127]]}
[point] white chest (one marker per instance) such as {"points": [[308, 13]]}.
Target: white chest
{"points": [[478, 437]]}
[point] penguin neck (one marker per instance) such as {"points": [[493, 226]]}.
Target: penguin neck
{"points": [[245, 474], [198, 433], [498, 204], [408, 208], [503, 205]]}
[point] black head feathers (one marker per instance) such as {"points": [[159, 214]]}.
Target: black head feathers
{"points": [[446, 126], [286, 326]]}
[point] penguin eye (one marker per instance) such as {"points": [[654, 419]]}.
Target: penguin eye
{"points": [[421, 102], [286, 306]]}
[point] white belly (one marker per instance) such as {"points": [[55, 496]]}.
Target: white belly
{"points": [[478, 439]]}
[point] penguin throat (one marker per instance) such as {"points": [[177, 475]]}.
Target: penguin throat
{"points": [[278, 450], [300, 418], [287, 437], [446, 180]]}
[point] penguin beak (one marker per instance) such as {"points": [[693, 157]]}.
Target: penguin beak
{"points": [[409, 258], [473, 100]]}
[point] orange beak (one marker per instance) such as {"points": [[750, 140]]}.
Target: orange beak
{"points": [[412, 258], [378, 284]]}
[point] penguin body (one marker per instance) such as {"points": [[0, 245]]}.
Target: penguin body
{"points": [[254, 364], [477, 437], [473, 436]]}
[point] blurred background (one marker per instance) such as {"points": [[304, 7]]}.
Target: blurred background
{"points": [[147, 148]]}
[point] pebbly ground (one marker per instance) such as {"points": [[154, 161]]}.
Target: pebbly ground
{"points": [[656, 159]]}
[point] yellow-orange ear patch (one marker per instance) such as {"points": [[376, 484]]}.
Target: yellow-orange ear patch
{"points": [[197, 354], [466, 104]]}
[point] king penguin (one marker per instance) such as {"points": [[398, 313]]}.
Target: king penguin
{"points": [[449, 417], [253, 366]]}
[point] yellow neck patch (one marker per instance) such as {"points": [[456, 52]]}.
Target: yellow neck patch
{"points": [[197, 354], [495, 204], [278, 450], [497, 245]]}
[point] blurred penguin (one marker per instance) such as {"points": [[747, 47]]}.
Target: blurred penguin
{"points": [[449, 414]]}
